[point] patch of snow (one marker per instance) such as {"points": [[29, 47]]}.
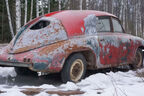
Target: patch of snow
{"points": [[47, 86], [7, 71], [13, 93], [69, 86], [109, 84]]}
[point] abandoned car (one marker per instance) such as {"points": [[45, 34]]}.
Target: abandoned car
{"points": [[70, 42]]}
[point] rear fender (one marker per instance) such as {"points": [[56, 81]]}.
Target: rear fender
{"points": [[53, 56]]}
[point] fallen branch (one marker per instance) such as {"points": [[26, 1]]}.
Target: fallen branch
{"points": [[32, 91], [2, 91], [66, 93]]}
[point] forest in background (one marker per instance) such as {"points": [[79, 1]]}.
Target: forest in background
{"points": [[15, 13]]}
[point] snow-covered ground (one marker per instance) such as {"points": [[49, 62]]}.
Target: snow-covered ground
{"points": [[100, 84]]}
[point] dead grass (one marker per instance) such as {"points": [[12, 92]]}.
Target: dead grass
{"points": [[139, 74], [34, 91], [66, 93]]}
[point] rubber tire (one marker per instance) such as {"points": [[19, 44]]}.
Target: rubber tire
{"points": [[65, 73], [133, 66], [24, 71]]}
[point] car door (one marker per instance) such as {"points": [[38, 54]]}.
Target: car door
{"points": [[125, 42], [108, 42]]}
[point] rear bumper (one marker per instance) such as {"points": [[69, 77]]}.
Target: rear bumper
{"points": [[14, 64]]}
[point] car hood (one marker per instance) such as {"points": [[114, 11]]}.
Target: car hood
{"points": [[28, 39]]}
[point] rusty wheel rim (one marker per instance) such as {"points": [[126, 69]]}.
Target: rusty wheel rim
{"points": [[76, 70], [138, 59]]}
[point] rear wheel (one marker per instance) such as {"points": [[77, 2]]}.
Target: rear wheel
{"points": [[24, 71], [74, 68], [138, 62]]}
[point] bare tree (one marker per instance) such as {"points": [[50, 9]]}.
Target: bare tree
{"points": [[59, 1], [37, 8], [87, 4], [42, 7], [25, 12], [48, 6], [9, 18], [81, 3], [31, 14], [136, 20], [18, 15]]}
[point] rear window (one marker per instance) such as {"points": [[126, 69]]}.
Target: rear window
{"points": [[40, 25]]}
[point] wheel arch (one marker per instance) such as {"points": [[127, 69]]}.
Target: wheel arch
{"points": [[89, 56], [142, 48]]}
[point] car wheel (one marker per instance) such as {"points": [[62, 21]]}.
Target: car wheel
{"points": [[24, 71], [74, 68], [138, 62]]}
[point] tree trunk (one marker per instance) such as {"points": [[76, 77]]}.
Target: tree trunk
{"points": [[48, 6], [112, 6], [136, 7], [81, 2], [124, 13], [121, 10], [59, 1], [37, 8], [18, 15], [31, 14], [87, 4], [25, 12], [140, 23], [42, 9], [9, 18]]}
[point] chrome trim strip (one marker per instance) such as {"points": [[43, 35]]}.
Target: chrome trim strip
{"points": [[14, 64]]}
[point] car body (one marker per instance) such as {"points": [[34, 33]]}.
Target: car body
{"points": [[45, 43]]}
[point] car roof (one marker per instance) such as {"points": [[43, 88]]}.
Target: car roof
{"points": [[73, 20]]}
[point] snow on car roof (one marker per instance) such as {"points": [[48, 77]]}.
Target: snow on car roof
{"points": [[73, 20]]}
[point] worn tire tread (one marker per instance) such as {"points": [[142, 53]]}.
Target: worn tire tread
{"points": [[65, 74]]}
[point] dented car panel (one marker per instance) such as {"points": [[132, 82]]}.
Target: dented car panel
{"points": [[46, 47], [33, 38]]}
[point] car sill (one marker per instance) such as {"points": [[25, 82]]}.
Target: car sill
{"points": [[14, 64]]}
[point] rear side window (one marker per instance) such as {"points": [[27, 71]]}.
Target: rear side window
{"points": [[117, 26], [40, 25], [103, 25]]}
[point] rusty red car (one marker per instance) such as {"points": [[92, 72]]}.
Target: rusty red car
{"points": [[70, 42]]}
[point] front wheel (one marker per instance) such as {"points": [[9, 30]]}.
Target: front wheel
{"points": [[74, 68], [138, 60]]}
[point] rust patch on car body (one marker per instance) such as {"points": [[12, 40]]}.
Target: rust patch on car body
{"points": [[33, 38]]}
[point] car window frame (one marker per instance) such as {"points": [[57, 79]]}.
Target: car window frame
{"points": [[106, 17], [123, 31]]}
